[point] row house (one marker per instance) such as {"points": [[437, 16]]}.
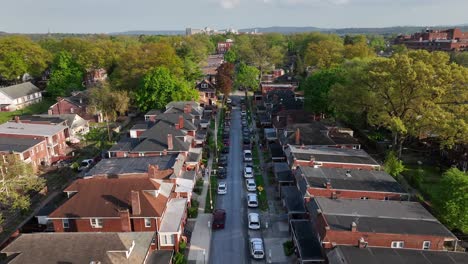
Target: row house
{"points": [[329, 157], [337, 183], [207, 92], [265, 88], [224, 46], [55, 136], [77, 103], [105, 248], [123, 204], [356, 255], [29, 150], [210, 68], [18, 96], [377, 223]]}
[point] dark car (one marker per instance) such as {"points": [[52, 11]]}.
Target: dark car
{"points": [[219, 218], [246, 141], [226, 142], [222, 161], [225, 150], [222, 173]]}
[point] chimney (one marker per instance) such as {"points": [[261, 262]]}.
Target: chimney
{"points": [[17, 119], [153, 171], [170, 144], [362, 243], [136, 208], [188, 108], [124, 216], [181, 122], [298, 137], [353, 227], [328, 185]]}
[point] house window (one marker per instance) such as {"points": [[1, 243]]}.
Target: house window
{"points": [[386, 198], [141, 154], [96, 222], [65, 223], [167, 240], [364, 198], [147, 222], [204, 85], [72, 110], [426, 245], [398, 244]]}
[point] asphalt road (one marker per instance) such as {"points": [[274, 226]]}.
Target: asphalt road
{"points": [[229, 245]]}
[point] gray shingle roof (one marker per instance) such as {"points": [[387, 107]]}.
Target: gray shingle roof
{"points": [[155, 139], [30, 129], [307, 243], [80, 247], [325, 154], [19, 145], [360, 180], [292, 199], [19, 90], [354, 255]]}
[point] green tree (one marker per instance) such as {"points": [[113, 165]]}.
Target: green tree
{"points": [[324, 54], [230, 56], [316, 89], [358, 50], [107, 101], [393, 165], [247, 77], [224, 78], [452, 201], [377, 42], [17, 180], [159, 87], [19, 55], [461, 58], [66, 75]]}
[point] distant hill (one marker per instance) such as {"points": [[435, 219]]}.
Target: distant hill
{"points": [[150, 32]]}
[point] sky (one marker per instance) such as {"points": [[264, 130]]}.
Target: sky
{"points": [[105, 16]]}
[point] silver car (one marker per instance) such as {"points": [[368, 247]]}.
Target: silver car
{"points": [[256, 248]]}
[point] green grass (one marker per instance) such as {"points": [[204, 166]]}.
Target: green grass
{"points": [[214, 186], [262, 198], [38, 108], [429, 186]]}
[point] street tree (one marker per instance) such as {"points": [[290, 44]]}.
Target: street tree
{"points": [[17, 180], [20, 55], [224, 78], [247, 77], [452, 201]]}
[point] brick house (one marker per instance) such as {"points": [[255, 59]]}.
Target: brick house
{"points": [[75, 104], [348, 184], [55, 136], [224, 46], [18, 96], [329, 157], [123, 204], [447, 40], [377, 223], [265, 88], [29, 150], [207, 92]]}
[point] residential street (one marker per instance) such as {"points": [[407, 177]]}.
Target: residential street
{"points": [[229, 245]]}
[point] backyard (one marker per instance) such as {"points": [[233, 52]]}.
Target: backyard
{"points": [[39, 108]]}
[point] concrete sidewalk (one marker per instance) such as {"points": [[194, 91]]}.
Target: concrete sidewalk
{"points": [[201, 240]]}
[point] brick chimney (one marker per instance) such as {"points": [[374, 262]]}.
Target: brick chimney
{"points": [[188, 108], [298, 137], [181, 122], [124, 216], [136, 208], [362, 243], [170, 144], [353, 227], [17, 119], [153, 171]]}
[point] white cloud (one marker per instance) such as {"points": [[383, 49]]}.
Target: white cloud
{"points": [[228, 4]]}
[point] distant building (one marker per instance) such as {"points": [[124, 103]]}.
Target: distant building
{"points": [[18, 96], [446, 40], [223, 47]]}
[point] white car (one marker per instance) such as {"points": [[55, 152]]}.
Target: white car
{"points": [[254, 221], [247, 155], [243, 113], [248, 171], [228, 100], [250, 184], [85, 164], [256, 248], [252, 200], [222, 188]]}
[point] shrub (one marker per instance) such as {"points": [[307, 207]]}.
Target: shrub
{"points": [[393, 165], [182, 246], [179, 258], [288, 247]]}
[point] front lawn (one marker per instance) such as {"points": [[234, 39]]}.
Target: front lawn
{"points": [[34, 109]]}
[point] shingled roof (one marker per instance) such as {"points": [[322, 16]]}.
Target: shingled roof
{"points": [[19, 90]]}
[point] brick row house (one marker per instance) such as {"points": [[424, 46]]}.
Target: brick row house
{"points": [[29, 150]]}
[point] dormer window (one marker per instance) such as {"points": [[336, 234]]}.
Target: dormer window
{"points": [[204, 85], [153, 193]]}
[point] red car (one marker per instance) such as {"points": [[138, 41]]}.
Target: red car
{"points": [[219, 217]]}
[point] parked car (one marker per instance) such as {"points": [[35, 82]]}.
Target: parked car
{"points": [[248, 171], [228, 100], [256, 248], [219, 218], [246, 141], [254, 221], [85, 164], [225, 150], [244, 122], [252, 200], [247, 155], [222, 188], [243, 113], [226, 142], [222, 173], [222, 161], [250, 184]]}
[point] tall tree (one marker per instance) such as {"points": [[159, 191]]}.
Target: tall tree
{"points": [[224, 78], [159, 87], [324, 54], [452, 202], [66, 75], [19, 55], [16, 181], [247, 77], [230, 56], [316, 89]]}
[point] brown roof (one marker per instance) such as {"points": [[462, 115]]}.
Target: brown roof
{"points": [[104, 197]]}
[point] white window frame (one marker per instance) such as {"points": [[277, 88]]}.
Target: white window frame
{"points": [[96, 222], [167, 240], [398, 244], [65, 223], [141, 154], [426, 245], [147, 222]]}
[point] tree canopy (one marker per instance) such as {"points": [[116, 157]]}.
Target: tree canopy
{"points": [[66, 75], [225, 78], [316, 89], [247, 76]]}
